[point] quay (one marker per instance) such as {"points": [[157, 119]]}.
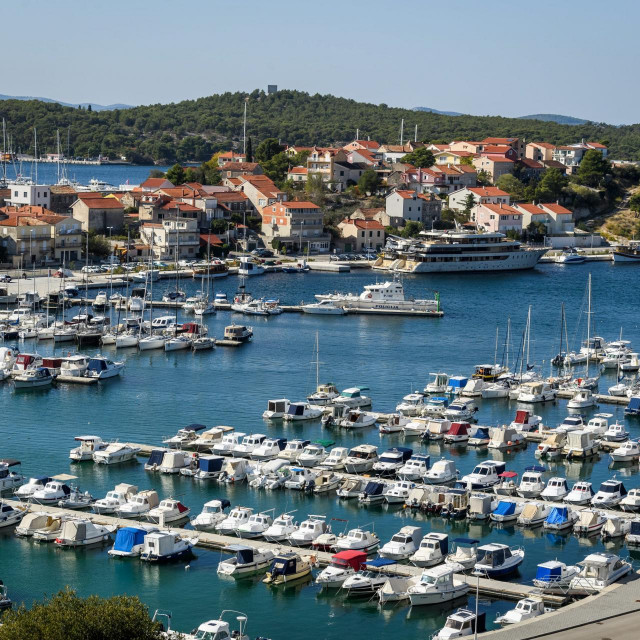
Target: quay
{"points": [[207, 540]]}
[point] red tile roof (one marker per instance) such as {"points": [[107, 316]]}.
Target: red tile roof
{"points": [[155, 183], [555, 208], [368, 144], [230, 196], [299, 205], [495, 158], [298, 170], [96, 202], [240, 166], [531, 164], [488, 192], [22, 221], [596, 145], [210, 238], [502, 209], [364, 224], [543, 145], [506, 141]]}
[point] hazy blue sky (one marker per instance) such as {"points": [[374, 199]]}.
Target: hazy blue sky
{"points": [[504, 57]]}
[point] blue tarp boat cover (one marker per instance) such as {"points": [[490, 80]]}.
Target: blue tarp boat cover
{"points": [[505, 508], [458, 383], [194, 427], [482, 433], [535, 467], [128, 537], [634, 404], [374, 488], [211, 464], [465, 541], [380, 562], [549, 572], [558, 515], [156, 456], [635, 528]]}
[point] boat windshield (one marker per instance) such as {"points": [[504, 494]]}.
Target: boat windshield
{"points": [[609, 488], [454, 624], [212, 635], [211, 509], [481, 471], [428, 579]]}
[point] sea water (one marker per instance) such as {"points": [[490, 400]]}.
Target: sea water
{"points": [[160, 392]]}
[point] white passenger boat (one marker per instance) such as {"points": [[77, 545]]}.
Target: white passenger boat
{"points": [[246, 561], [324, 307], [115, 499], [437, 585], [281, 528], [169, 510], [276, 409], [599, 570], [525, 609], [580, 494], [83, 533], [139, 504], [461, 624], [116, 453], [554, 575], [403, 544], [342, 566], [433, 550], [358, 539], [87, 447], [301, 411], [102, 368]]}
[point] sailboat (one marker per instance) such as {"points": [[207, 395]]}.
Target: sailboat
{"points": [[206, 307], [152, 341], [177, 342]]}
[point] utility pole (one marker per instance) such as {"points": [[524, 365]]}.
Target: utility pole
{"points": [[415, 137], [402, 132]]}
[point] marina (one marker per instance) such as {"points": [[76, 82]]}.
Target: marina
{"points": [[147, 388]]}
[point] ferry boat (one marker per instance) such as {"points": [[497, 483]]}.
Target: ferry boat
{"points": [[443, 251], [384, 297], [628, 253]]}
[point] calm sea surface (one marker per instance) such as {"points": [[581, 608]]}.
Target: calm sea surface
{"points": [[159, 393]]}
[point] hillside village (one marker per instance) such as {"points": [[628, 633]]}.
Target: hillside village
{"points": [[318, 200]]}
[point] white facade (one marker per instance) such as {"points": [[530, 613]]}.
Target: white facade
{"points": [[38, 195]]}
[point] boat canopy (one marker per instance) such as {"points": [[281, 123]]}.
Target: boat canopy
{"points": [[522, 417], [284, 564], [324, 443], [635, 528], [492, 555], [482, 433], [244, 554], [96, 364], [505, 508], [374, 488], [194, 427], [558, 515], [442, 539], [459, 429], [378, 563], [549, 571], [354, 559], [458, 382], [634, 404], [536, 468], [129, 537], [467, 541], [530, 510], [210, 464], [296, 409], [156, 456], [419, 457], [9, 462], [508, 474]]}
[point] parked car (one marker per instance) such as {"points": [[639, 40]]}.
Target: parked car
{"points": [[90, 269], [262, 253], [5, 278]]}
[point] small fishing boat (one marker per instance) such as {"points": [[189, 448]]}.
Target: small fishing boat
{"points": [[85, 450], [116, 453], [358, 539], [129, 542], [164, 546], [373, 493], [169, 510], [496, 560], [628, 451], [256, 525], [615, 527], [9, 515], [414, 468], [335, 460], [342, 566], [10, 480], [213, 512], [616, 433], [532, 484], [442, 472], [367, 582], [309, 529], [102, 368], [533, 514], [391, 461], [437, 585], [464, 552], [484, 475], [560, 519], [287, 568], [481, 506], [481, 437], [507, 485], [82, 533], [433, 550], [361, 458], [281, 528], [403, 544], [115, 499], [554, 575], [246, 561], [458, 433], [525, 609], [276, 409], [610, 494], [350, 488], [631, 502], [33, 378], [556, 490], [461, 624], [581, 493], [506, 511], [139, 504], [301, 411], [236, 517]]}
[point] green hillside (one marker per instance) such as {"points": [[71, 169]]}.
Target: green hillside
{"points": [[193, 129]]}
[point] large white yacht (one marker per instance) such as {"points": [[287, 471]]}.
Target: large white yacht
{"points": [[440, 251]]}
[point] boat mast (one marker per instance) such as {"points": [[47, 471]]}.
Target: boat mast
{"points": [[151, 286], [175, 327], [528, 335], [588, 327], [507, 343], [3, 181], [495, 352]]}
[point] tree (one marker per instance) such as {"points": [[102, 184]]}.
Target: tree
{"points": [[98, 245], [411, 229], [536, 231], [483, 178], [249, 150], [420, 158], [634, 203], [469, 203], [511, 185], [276, 244], [156, 173], [88, 107], [592, 169], [219, 226], [551, 185], [65, 616], [277, 167], [175, 175], [267, 149], [369, 181], [467, 160], [315, 188]]}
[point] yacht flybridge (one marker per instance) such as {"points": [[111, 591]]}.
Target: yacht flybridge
{"points": [[442, 251]]}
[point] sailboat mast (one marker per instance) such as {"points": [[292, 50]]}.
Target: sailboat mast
{"points": [[508, 340], [317, 360], [495, 352], [588, 327], [528, 335]]}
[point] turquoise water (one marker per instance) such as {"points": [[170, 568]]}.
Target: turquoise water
{"points": [[160, 392]]}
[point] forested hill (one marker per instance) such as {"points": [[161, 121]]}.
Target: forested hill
{"points": [[193, 129]]}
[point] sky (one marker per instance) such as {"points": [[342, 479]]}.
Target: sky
{"points": [[498, 57]]}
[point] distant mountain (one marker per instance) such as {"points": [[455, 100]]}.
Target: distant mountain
{"points": [[553, 117], [440, 113], [94, 107]]}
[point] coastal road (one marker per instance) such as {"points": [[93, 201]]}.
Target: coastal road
{"points": [[622, 627]]}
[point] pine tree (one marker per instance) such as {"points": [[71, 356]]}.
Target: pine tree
{"points": [[249, 150]]}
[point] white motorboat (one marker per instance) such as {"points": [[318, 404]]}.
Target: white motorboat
{"points": [[438, 384], [460, 624], [525, 421], [631, 364], [484, 475], [571, 423], [115, 499], [184, 437], [208, 438], [276, 409], [481, 506], [391, 460], [169, 510], [435, 406], [580, 444], [534, 514], [506, 438], [323, 307], [581, 493], [497, 560], [54, 491], [324, 394], [102, 368], [26, 489], [615, 527], [228, 443], [165, 546], [127, 339], [458, 433], [343, 565], [301, 411], [358, 539], [33, 378], [281, 528], [309, 530], [460, 410], [213, 512], [599, 424], [554, 575], [532, 484], [300, 478], [246, 561], [177, 343], [87, 447], [82, 533], [631, 502], [335, 460], [394, 423], [610, 494], [537, 391], [353, 398], [628, 451], [464, 552], [552, 446], [314, 453], [248, 445], [236, 517], [556, 490], [9, 515], [525, 609], [356, 419], [238, 333], [433, 550], [589, 521], [256, 525], [326, 482], [32, 522], [234, 470], [480, 438], [508, 485], [361, 458], [437, 585], [616, 433], [129, 542], [373, 493], [9, 480], [473, 388], [414, 468], [582, 399], [402, 544], [75, 365], [350, 488], [442, 472], [116, 453], [139, 504], [411, 405], [633, 537], [268, 449], [506, 511], [599, 570]]}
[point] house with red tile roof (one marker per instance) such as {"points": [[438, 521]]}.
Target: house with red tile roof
{"points": [[172, 239], [260, 190], [403, 205], [297, 174], [231, 156], [557, 219], [294, 149], [530, 169], [296, 224], [365, 156], [97, 213], [357, 235], [446, 156], [151, 184], [497, 218], [539, 151], [458, 199], [494, 165], [237, 169], [370, 145], [516, 144]]}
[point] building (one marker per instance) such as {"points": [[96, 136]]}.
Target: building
{"points": [[395, 152], [518, 145], [172, 239], [370, 145], [494, 165], [557, 219], [365, 156], [403, 205], [470, 146], [233, 202], [98, 214], [372, 213], [297, 174], [357, 234], [321, 162], [151, 184], [530, 169], [445, 156], [497, 218], [571, 155], [296, 225], [61, 198], [493, 195], [540, 151], [236, 169], [260, 190], [38, 195], [231, 156]]}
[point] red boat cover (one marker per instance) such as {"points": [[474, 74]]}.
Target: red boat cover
{"points": [[522, 417]]}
